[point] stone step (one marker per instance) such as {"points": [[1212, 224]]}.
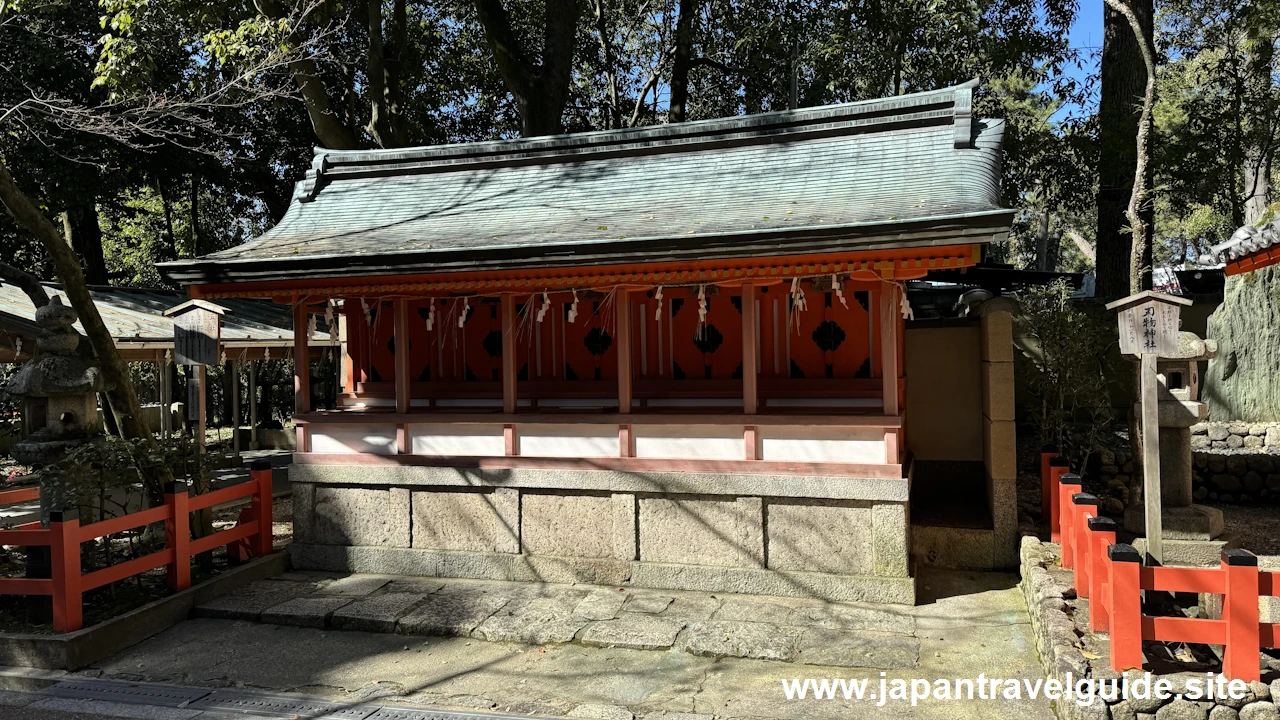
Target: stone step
{"points": [[766, 628]]}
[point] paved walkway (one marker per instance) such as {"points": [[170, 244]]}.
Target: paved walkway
{"points": [[966, 624]]}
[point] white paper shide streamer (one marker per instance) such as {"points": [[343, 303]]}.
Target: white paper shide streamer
{"points": [[835, 285], [702, 304], [462, 316], [573, 309], [546, 305], [657, 295]]}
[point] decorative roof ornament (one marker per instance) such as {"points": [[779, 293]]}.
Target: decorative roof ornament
{"points": [[1246, 240]]}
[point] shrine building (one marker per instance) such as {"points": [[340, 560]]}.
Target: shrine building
{"points": [[669, 357]]}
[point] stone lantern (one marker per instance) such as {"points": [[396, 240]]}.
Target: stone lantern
{"points": [[58, 389], [1190, 530]]}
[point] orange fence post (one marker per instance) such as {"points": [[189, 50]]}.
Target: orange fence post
{"points": [[1085, 507], [1068, 485], [262, 544], [1102, 534], [1126, 607], [1057, 468], [1047, 484], [177, 535], [68, 603], [1240, 614]]}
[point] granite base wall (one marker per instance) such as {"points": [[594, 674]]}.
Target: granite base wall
{"points": [[839, 549]]}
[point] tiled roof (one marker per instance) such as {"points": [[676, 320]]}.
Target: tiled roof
{"points": [[1247, 240], [909, 170], [135, 316]]}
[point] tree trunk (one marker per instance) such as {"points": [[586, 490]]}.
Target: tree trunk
{"points": [[82, 230], [1123, 84], [1256, 114], [379, 116], [613, 118], [194, 201], [679, 110], [542, 90], [124, 399], [330, 129], [1042, 242], [168, 219]]}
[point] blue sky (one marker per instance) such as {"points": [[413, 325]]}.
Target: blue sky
{"points": [[1086, 38]]}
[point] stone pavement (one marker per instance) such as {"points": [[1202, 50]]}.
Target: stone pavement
{"points": [[966, 624], [708, 624]]}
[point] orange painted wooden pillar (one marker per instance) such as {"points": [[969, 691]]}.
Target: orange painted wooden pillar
{"points": [[401, 335], [509, 354], [1068, 485], [750, 350], [301, 361], [263, 544], [622, 325], [889, 316], [1126, 608], [1085, 508], [1057, 468], [68, 601], [1102, 535], [177, 535], [1047, 453], [1240, 615]]}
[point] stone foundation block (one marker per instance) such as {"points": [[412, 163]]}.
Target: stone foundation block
{"points": [[820, 536], [356, 516], [889, 533], [721, 532], [625, 539], [568, 525], [960, 548], [468, 521]]}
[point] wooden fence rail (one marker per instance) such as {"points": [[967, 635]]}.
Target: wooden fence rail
{"points": [[65, 534], [1113, 578]]}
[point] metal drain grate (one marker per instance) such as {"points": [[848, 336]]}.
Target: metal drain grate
{"points": [[123, 692], [253, 704]]}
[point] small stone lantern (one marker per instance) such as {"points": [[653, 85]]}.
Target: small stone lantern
{"points": [[58, 388]]}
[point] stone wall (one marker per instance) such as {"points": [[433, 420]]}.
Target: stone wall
{"points": [[1060, 623], [548, 526], [1233, 463]]}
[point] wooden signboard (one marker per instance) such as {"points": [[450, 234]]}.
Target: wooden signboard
{"points": [[193, 397], [197, 332], [1148, 325]]}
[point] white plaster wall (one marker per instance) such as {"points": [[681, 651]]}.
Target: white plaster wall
{"points": [[819, 444], [568, 441], [378, 439], [692, 442], [456, 440]]}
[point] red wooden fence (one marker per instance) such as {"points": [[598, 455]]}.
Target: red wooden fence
{"points": [[1113, 578], [65, 534]]}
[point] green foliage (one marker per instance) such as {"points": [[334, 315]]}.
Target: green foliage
{"points": [[1068, 368], [84, 476]]}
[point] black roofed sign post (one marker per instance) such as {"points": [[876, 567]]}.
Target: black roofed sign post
{"points": [[197, 335], [1148, 329]]}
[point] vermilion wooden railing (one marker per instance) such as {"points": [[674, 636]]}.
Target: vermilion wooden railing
{"points": [[1113, 578], [65, 534]]}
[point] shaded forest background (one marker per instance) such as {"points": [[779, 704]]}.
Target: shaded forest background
{"points": [[157, 130]]}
